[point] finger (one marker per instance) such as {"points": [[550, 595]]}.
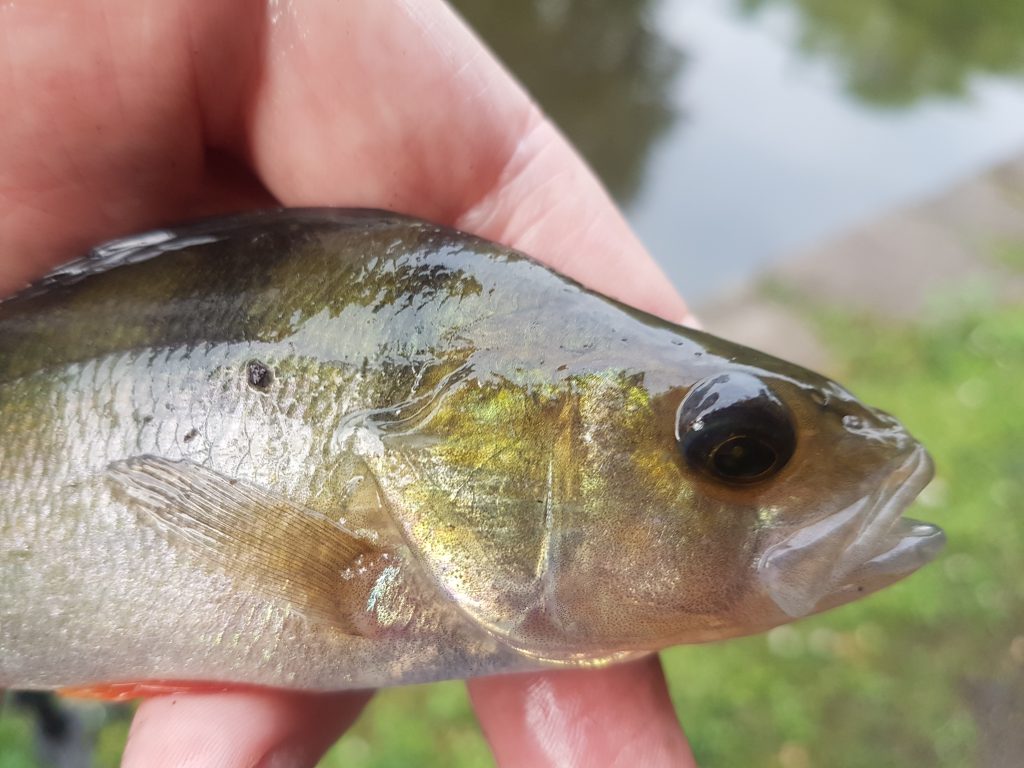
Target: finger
{"points": [[107, 135], [395, 104], [224, 730], [372, 103], [616, 716]]}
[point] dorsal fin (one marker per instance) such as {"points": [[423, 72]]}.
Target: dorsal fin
{"points": [[138, 248]]}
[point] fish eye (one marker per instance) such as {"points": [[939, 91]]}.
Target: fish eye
{"points": [[735, 429]]}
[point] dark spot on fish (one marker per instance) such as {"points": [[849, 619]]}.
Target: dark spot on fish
{"points": [[191, 435], [259, 375]]}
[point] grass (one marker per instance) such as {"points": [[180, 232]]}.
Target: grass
{"points": [[1010, 254], [898, 679]]}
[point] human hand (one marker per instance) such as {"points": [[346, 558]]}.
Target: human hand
{"points": [[124, 115]]}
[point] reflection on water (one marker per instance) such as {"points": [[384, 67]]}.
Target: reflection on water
{"points": [[778, 154], [596, 67], [783, 142], [893, 52]]}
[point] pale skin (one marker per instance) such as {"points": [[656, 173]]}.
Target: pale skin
{"points": [[121, 115]]}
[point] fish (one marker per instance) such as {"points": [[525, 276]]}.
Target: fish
{"points": [[327, 449]]}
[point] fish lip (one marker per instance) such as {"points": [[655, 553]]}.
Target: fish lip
{"points": [[908, 545], [908, 481], [858, 549]]}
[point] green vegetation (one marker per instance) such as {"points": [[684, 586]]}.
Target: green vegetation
{"points": [[894, 52], [15, 742], [108, 727], [1010, 254], [426, 726], [921, 674]]}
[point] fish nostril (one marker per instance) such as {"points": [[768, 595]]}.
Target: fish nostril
{"points": [[820, 398], [853, 423], [873, 419]]}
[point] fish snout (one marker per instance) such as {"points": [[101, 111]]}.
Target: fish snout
{"points": [[858, 549], [878, 426]]}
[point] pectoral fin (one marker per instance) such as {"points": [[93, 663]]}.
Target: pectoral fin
{"points": [[269, 544]]}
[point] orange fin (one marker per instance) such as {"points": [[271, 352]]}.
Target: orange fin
{"points": [[145, 689]]}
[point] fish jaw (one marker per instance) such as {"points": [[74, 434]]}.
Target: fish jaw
{"points": [[857, 550]]}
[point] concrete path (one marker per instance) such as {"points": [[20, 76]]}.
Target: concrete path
{"points": [[894, 266]]}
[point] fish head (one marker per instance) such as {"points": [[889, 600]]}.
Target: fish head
{"points": [[672, 488], [755, 493]]}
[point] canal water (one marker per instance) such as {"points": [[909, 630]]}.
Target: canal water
{"points": [[735, 132]]}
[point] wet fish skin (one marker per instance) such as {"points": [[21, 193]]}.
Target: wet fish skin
{"points": [[333, 449]]}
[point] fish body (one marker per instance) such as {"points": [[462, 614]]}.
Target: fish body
{"points": [[329, 449]]}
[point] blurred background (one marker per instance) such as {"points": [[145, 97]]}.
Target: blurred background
{"points": [[841, 183]]}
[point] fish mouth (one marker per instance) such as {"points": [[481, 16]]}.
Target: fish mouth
{"points": [[857, 550]]}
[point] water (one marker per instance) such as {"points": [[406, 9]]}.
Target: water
{"points": [[737, 133]]}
